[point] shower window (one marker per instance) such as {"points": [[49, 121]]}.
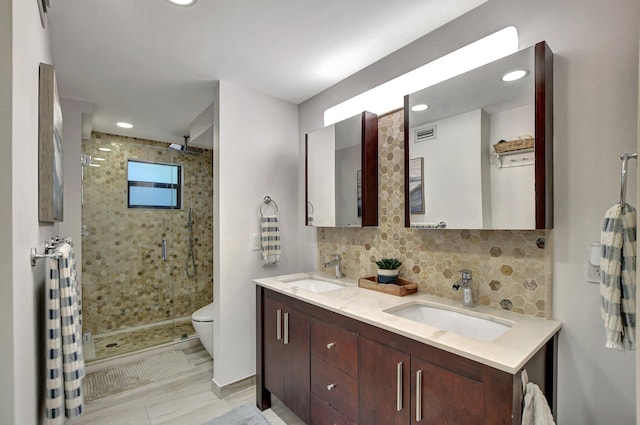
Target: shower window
{"points": [[154, 185]]}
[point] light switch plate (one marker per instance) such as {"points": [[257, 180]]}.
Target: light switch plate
{"points": [[256, 242], [593, 263]]}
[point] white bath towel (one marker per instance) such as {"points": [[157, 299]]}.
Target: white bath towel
{"points": [[271, 249], [536, 410], [64, 360], [618, 277]]}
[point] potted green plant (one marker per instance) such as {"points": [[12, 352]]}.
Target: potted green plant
{"points": [[388, 270]]}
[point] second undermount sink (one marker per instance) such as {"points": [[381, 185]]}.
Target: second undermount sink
{"points": [[481, 327], [314, 285]]}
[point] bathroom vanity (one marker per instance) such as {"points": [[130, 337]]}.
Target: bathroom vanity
{"points": [[337, 354]]}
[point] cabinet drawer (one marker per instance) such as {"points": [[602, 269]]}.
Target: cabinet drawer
{"points": [[335, 387], [335, 346], [323, 414]]}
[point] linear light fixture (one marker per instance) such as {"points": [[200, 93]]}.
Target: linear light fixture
{"points": [[389, 96], [183, 2]]}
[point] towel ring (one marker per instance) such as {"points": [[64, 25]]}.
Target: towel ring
{"points": [[266, 202]]}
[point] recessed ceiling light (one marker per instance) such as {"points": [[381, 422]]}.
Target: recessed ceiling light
{"points": [[104, 149], [183, 2], [124, 125], [420, 107], [514, 75]]}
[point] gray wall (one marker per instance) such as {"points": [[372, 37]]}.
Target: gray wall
{"points": [[6, 290], [22, 294], [595, 100]]}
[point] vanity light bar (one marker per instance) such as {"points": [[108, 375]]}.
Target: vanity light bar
{"points": [[389, 96]]}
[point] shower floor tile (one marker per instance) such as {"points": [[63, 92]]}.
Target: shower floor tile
{"points": [[105, 346]]}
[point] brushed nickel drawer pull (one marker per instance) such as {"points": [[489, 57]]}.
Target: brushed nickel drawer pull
{"points": [[279, 324], [399, 387], [418, 396], [331, 386], [331, 345], [286, 328]]}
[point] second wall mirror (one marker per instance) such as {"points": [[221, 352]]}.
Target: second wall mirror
{"points": [[341, 173], [479, 147]]}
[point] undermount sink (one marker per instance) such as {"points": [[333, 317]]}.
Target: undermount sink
{"points": [[314, 285], [481, 327]]}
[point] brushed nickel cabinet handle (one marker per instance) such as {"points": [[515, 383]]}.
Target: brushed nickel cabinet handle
{"points": [[286, 328], [279, 324], [331, 345], [331, 386], [399, 387], [418, 396]]}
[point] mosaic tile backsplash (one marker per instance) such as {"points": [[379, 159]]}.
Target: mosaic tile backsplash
{"points": [[511, 269], [125, 282]]}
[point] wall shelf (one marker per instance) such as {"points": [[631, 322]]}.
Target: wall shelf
{"points": [[519, 158]]}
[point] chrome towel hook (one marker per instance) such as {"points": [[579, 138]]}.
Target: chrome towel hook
{"points": [[625, 157]]}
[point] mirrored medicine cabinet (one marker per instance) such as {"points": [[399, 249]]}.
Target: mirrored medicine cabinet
{"points": [[457, 174], [341, 173]]}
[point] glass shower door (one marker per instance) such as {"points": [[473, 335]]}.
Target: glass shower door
{"points": [[128, 206]]}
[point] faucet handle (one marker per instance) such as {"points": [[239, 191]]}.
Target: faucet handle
{"points": [[336, 256], [466, 274]]}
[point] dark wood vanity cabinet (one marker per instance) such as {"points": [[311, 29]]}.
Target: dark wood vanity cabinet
{"points": [[384, 384], [334, 373], [286, 346], [399, 389], [348, 372]]}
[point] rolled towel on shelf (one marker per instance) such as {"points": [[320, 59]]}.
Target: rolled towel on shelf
{"points": [[271, 249], [618, 277]]}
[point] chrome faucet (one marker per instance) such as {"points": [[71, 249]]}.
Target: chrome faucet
{"points": [[336, 263], [465, 284]]}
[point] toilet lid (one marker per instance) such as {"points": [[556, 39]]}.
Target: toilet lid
{"points": [[204, 314]]}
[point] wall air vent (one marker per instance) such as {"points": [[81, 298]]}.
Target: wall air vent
{"points": [[422, 134]]}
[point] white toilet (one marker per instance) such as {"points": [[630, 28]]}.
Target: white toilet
{"points": [[202, 320]]}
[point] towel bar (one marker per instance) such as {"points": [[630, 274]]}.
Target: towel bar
{"points": [[35, 256], [48, 246]]}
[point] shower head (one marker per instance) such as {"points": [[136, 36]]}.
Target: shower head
{"points": [[183, 148]]}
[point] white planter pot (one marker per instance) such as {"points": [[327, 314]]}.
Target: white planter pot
{"points": [[387, 276]]}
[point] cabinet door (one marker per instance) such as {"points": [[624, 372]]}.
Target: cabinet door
{"points": [[383, 384], [296, 362], [442, 397], [273, 347]]}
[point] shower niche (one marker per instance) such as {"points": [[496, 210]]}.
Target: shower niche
{"points": [[147, 242]]}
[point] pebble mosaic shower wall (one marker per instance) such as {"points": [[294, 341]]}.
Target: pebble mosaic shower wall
{"points": [[125, 281], [511, 269]]}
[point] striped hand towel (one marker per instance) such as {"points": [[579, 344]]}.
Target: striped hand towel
{"points": [[270, 240], [64, 363], [618, 277]]}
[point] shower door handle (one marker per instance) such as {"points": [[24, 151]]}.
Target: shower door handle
{"points": [[164, 250]]}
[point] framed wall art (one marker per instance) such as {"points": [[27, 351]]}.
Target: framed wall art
{"points": [[50, 184]]}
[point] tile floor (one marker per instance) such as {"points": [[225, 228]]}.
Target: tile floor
{"points": [[185, 400]]}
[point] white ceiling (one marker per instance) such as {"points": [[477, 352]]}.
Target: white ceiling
{"points": [[154, 64]]}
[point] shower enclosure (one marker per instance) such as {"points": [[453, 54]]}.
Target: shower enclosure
{"points": [[147, 245]]}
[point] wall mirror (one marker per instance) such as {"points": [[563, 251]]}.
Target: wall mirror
{"points": [[455, 177], [341, 173]]}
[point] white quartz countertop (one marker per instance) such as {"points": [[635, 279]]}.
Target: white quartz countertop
{"points": [[509, 352]]}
